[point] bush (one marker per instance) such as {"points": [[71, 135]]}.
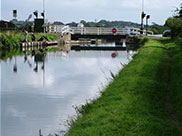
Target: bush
{"points": [[175, 24], [143, 41]]}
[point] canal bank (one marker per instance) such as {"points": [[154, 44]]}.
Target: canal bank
{"points": [[144, 99], [11, 43]]}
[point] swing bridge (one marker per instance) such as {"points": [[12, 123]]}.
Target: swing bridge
{"points": [[98, 32]]}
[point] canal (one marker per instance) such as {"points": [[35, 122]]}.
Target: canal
{"points": [[40, 94]]}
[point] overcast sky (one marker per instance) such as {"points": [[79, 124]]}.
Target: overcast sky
{"points": [[91, 10]]}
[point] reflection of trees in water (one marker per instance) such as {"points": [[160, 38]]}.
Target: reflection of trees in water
{"points": [[9, 54], [38, 58], [27, 60], [36, 67], [15, 66]]}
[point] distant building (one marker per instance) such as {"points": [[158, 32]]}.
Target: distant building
{"points": [[4, 25]]}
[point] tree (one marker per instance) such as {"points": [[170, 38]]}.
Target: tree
{"points": [[175, 24]]}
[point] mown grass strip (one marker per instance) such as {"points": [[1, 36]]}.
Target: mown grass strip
{"points": [[135, 103]]}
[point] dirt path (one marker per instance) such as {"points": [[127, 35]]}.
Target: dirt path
{"points": [[169, 106]]}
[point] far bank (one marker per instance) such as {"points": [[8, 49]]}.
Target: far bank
{"points": [[11, 40]]}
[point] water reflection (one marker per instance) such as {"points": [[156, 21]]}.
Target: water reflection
{"points": [[38, 59], [15, 66], [40, 91]]}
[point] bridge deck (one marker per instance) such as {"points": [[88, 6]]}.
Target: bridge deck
{"points": [[94, 36]]}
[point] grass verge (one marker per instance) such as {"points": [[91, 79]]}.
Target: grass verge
{"points": [[134, 104]]}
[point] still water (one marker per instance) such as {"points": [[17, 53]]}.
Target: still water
{"points": [[41, 95]]}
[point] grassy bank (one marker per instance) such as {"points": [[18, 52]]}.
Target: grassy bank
{"points": [[137, 102], [11, 40]]}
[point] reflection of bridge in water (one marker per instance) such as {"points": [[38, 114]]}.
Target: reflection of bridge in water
{"points": [[92, 54], [89, 47]]}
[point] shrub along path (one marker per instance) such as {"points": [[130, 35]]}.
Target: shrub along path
{"points": [[144, 99]]}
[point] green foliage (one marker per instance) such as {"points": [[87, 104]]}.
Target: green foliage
{"points": [[52, 37], [52, 49], [105, 23], [144, 40], [175, 24], [9, 54], [158, 29], [11, 40]]}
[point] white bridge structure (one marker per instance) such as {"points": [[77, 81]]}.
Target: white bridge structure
{"points": [[97, 30]]}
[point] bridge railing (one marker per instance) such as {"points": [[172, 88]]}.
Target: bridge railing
{"points": [[98, 30]]}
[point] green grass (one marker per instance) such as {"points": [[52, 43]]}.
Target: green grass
{"points": [[134, 104], [176, 77]]}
